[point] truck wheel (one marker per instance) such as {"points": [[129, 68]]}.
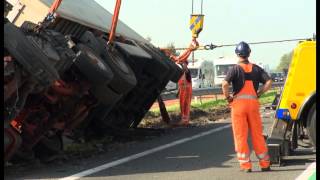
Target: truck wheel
{"points": [[125, 78], [92, 66], [29, 55], [174, 70], [55, 46], [28, 26], [98, 73], [106, 95], [311, 125], [92, 42]]}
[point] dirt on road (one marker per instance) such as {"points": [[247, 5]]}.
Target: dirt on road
{"points": [[197, 117]]}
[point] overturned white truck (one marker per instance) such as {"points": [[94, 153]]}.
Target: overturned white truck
{"points": [[64, 80]]}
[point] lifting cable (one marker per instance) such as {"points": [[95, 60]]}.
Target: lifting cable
{"points": [[212, 46], [49, 17], [192, 6], [114, 22], [196, 24], [54, 6]]}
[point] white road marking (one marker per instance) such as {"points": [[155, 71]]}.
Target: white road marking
{"points": [[308, 172], [147, 152], [182, 157]]}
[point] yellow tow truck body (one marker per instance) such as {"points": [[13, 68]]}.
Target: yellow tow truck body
{"points": [[296, 109], [300, 84]]}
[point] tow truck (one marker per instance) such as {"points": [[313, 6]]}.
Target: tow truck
{"points": [[295, 116]]}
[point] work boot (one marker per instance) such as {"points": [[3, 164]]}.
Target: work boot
{"points": [[265, 169]]}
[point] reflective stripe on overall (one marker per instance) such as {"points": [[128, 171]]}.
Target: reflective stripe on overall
{"points": [[246, 116], [185, 95]]}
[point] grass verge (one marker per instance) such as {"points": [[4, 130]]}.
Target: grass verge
{"points": [[208, 104]]}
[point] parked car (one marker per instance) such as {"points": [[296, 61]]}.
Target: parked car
{"points": [[277, 77]]}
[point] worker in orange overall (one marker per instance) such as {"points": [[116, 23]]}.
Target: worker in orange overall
{"points": [[245, 78], [184, 83]]}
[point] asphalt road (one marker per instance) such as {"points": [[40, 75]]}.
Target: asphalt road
{"points": [[207, 156]]}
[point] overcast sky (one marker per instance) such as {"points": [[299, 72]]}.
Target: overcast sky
{"points": [[225, 21]]}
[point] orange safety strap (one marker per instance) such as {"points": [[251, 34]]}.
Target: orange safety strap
{"points": [[114, 21], [184, 56], [54, 6]]}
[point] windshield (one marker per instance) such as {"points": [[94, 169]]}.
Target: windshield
{"points": [[194, 73], [273, 75], [223, 69]]}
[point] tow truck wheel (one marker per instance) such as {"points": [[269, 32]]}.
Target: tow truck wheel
{"points": [[311, 125]]}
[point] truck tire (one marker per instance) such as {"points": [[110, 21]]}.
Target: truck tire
{"points": [[98, 73], [92, 66], [140, 56], [105, 95], [92, 42], [29, 55], [124, 77], [311, 125], [54, 45], [175, 70], [28, 26], [160, 60]]}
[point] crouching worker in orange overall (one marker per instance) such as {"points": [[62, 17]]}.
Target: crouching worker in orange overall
{"points": [[184, 83], [245, 78]]}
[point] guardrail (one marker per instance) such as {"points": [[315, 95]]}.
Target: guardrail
{"points": [[206, 91]]}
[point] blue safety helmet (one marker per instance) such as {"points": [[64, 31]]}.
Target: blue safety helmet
{"points": [[243, 49]]}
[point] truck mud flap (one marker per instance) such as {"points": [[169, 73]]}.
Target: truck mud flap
{"points": [[278, 145]]}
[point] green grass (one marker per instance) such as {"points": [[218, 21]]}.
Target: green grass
{"points": [[208, 104]]}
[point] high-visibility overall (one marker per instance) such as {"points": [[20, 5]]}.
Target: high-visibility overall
{"points": [[185, 95], [185, 88], [246, 117]]}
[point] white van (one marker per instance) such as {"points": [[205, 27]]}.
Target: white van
{"points": [[202, 75], [221, 67], [223, 64]]}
